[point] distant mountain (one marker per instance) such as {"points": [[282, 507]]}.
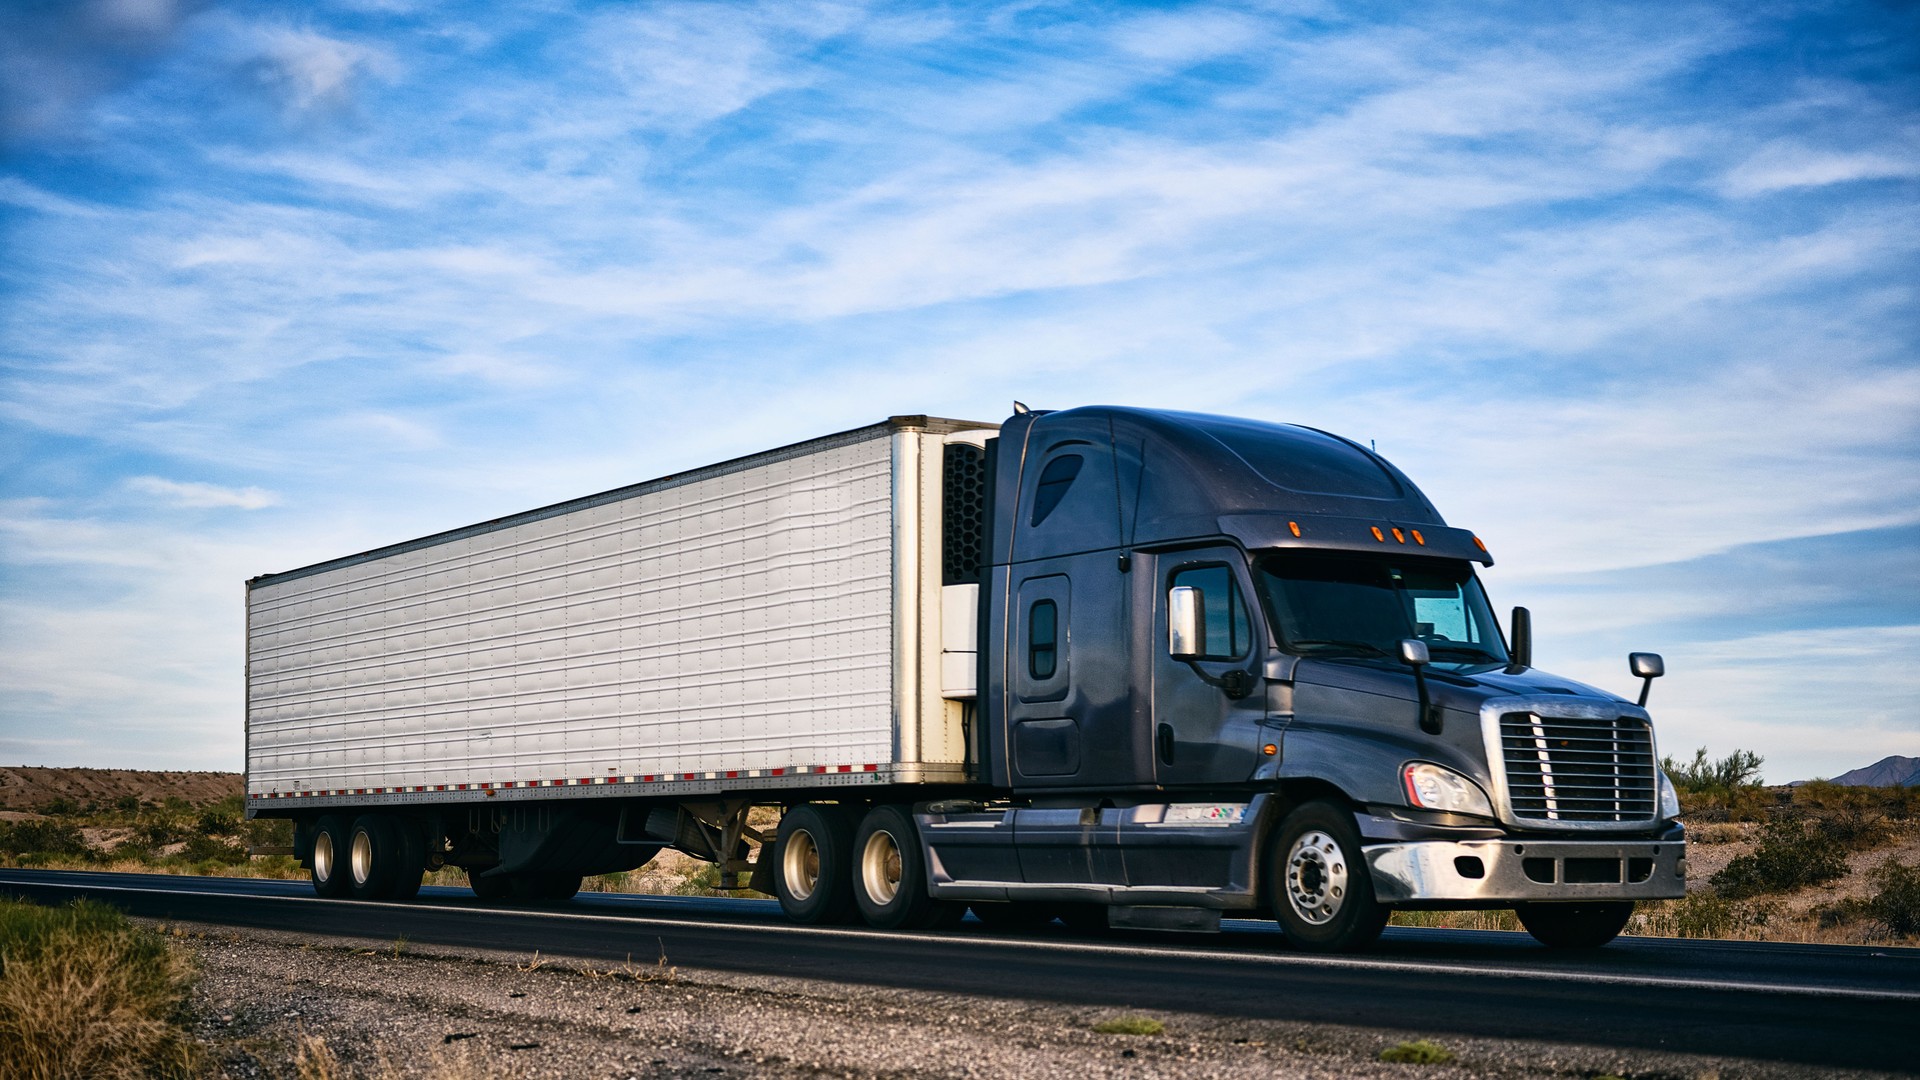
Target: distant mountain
{"points": [[1887, 772]]}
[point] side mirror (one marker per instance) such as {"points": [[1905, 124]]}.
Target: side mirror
{"points": [[1647, 666], [1414, 652], [1520, 649], [1185, 637]]}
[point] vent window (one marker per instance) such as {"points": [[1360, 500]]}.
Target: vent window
{"points": [[1055, 479]]}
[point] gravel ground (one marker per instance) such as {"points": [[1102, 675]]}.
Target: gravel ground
{"points": [[281, 1005]]}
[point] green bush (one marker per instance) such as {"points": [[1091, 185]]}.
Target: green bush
{"points": [[1896, 898], [85, 993], [41, 838], [208, 849], [1792, 855], [1740, 769], [1418, 1052]]}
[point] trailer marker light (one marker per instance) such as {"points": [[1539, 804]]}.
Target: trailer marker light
{"points": [[1269, 749], [1378, 535], [733, 774], [1418, 539], [871, 768], [776, 772], [1398, 535], [1293, 527]]}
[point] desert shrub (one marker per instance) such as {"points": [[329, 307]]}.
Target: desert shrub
{"points": [[1740, 769], [61, 806], [1792, 854], [1701, 915], [1896, 897], [83, 993], [127, 804], [158, 832], [1130, 1025], [268, 832], [1418, 1052], [41, 838], [204, 849]]}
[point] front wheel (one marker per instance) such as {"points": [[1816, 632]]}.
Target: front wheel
{"points": [[1575, 926], [1318, 881]]}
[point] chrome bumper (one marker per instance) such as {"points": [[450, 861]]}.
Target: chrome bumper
{"points": [[1505, 871]]}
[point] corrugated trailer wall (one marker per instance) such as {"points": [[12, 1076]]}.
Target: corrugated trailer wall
{"points": [[751, 624]]}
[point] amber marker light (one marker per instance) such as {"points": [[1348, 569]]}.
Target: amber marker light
{"points": [[1418, 539], [1479, 543], [1269, 749], [1400, 536], [1378, 535], [1293, 527]]}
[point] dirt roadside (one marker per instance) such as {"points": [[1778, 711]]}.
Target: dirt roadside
{"points": [[277, 1005]]}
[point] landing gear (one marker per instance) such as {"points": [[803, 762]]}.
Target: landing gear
{"points": [[1575, 926], [1318, 882]]}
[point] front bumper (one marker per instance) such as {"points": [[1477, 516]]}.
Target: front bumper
{"points": [[1497, 872]]}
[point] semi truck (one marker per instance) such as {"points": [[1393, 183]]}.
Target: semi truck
{"points": [[1116, 667]]}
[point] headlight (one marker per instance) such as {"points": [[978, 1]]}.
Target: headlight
{"points": [[1434, 787], [1669, 798]]}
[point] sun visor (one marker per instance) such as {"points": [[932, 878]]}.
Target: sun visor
{"points": [[1321, 533]]}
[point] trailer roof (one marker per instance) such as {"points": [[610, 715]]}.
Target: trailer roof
{"points": [[934, 424]]}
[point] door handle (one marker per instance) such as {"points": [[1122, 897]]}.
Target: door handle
{"points": [[1164, 741]]}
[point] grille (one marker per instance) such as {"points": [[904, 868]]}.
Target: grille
{"points": [[1579, 769], [963, 517]]}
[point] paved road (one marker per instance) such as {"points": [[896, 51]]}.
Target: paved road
{"points": [[1824, 1005]]}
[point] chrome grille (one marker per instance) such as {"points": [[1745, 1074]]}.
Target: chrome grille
{"points": [[1568, 769]]}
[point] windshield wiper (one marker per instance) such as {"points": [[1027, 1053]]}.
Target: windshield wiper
{"points": [[1365, 647], [1463, 650]]}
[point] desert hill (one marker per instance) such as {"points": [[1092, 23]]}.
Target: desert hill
{"points": [[28, 787]]}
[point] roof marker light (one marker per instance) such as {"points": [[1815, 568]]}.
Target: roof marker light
{"points": [[1400, 536], [1293, 527], [1479, 543], [1418, 539], [1378, 535]]}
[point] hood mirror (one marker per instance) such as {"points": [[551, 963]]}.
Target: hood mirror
{"points": [[1647, 666], [1414, 654]]}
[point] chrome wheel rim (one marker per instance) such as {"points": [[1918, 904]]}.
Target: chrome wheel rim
{"points": [[800, 864], [323, 857], [880, 868], [362, 856], [1316, 877]]}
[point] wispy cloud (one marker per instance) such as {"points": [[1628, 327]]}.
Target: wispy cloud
{"points": [[193, 493]]}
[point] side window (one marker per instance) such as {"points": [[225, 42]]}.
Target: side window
{"points": [[1055, 479], [1225, 632], [1043, 640]]}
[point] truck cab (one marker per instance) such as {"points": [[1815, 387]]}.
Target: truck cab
{"points": [[1234, 666]]}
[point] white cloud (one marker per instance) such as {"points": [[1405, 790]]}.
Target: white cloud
{"points": [[192, 493], [1784, 165]]}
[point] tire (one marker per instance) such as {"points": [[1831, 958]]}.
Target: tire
{"points": [[373, 857], [890, 874], [1575, 926], [1014, 916], [544, 888], [329, 873], [489, 888], [412, 864], [814, 877], [1318, 883]]}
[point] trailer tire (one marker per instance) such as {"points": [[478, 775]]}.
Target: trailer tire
{"points": [[329, 869], [1575, 926], [890, 875], [373, 857], [412, 864], [1318, 882], [497, 887], [814, 877]]}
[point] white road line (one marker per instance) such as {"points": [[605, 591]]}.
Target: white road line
{"points": [[1345, 963]]}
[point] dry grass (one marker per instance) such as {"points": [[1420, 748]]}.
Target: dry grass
{"points": [[85, 994]]}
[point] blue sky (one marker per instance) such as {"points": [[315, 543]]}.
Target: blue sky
{"points": [[1628, 289]]}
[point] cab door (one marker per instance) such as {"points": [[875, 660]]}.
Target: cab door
{"points": [[1207, 708]]}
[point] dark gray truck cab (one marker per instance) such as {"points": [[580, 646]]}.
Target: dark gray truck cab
{"points": [[1231, 666]]}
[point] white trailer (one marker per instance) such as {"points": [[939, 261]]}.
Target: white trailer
{"points": [[765, 623]]}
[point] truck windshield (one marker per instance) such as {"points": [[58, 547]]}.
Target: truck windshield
{"points": [[1357, 605]]}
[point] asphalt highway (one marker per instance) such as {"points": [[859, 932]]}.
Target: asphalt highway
{"points": [[1820, 1005]]}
